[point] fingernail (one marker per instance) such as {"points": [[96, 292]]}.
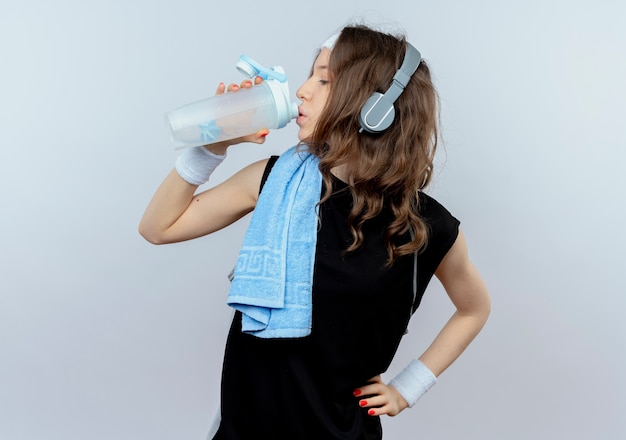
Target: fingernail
{"points": [[248, 82], [356, 392], [371, 412], [265, 133], [363, 403]]}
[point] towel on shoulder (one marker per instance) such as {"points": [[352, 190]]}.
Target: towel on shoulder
{"points": [[273, 277]]}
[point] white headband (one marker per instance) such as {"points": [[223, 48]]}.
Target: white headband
{"points": [[330, 43]]}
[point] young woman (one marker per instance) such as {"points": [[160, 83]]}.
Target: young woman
{"points": [[340, 248]]}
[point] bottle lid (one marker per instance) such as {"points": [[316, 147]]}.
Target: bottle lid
{"points": [[250, 68]]}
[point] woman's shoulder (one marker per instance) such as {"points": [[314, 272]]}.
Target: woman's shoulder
{"points": [[431, 208], [268, 167], [443, 226]]}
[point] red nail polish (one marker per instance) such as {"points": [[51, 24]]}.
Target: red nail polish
{"points": [[356, 392], [363, 403], [265, 133], [371, 412]]}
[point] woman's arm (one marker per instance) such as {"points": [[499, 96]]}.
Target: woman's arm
{"points": [[176, 213], [468, 293]]}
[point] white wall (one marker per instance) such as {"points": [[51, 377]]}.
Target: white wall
{"points": [[103, 336]]}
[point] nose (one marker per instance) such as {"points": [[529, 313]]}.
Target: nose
{"points": [[302, 92]]}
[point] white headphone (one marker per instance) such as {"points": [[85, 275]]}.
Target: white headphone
{"points": [[378, 112]]}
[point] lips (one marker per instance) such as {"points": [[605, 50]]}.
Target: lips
{"points": [[301, 117]]}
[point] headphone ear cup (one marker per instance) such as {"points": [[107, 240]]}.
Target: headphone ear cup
{"points": [[377, 114]]}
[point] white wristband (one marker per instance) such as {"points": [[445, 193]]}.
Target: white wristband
{"points": [[413, 382], [196, 164]]}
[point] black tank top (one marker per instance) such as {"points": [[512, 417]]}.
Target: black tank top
{"points": [[301, 389]]}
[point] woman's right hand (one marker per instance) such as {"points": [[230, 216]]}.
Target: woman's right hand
{"points": [[256, 138], [171, 216]]}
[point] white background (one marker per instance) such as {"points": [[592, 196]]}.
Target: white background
{"points": [[104, 336]]}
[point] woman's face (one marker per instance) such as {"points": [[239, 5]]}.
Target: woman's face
{"points": [[313, 94]]}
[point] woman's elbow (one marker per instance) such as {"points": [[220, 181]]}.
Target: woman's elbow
{"points": [[485, 311], [482, 306], [151, 235], [474, 300]]}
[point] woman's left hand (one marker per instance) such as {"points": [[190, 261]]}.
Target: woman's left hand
{"points": [[380, 398]]}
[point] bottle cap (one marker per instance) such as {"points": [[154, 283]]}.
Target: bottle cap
{"points": [[250, 68]]}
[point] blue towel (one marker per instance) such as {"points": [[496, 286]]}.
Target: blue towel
{"points": [[273, 277]]}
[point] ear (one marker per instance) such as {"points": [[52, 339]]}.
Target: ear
{"points": [[377, 114]]}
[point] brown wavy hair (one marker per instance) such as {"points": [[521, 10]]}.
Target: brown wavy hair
{"points": [[386, 169]]}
